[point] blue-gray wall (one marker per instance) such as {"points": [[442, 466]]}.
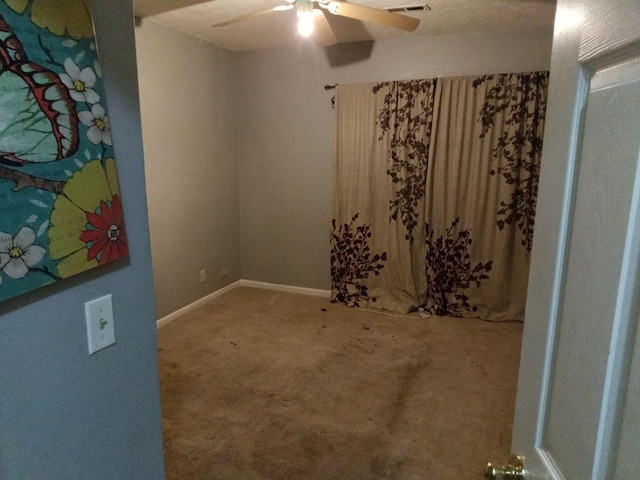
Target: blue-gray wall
{"points": [[64, 414]]}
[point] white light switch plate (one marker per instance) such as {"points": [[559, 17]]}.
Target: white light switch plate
{"points": [[100, 329]]}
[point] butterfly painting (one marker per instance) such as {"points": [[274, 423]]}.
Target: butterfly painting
{"points": [[59, 193], [39, 122]]}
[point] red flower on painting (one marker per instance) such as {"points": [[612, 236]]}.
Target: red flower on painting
{"points": [[106, 239]]}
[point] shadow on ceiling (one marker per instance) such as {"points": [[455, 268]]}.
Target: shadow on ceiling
{"points": [[355, 43]]}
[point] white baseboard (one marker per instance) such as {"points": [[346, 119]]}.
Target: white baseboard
{"points": [[198, 303], [286, 288], [241, 283]]}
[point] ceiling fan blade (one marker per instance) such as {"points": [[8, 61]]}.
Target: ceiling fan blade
{"points": [[322, 32], [253, 15], [373, 15]]}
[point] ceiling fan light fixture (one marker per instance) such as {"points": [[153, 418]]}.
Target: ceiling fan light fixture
{"points": [[311, 17], [305, 24], [333, 7], [305, 17]]}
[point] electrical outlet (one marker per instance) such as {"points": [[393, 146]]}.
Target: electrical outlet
{"points": [[223, 273], [100, 328], [203, 275]]}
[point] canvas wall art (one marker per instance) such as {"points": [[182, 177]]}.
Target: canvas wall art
{"points": [[60, 210]]}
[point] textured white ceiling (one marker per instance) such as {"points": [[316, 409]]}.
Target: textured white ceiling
{"points": [[276, 29]]}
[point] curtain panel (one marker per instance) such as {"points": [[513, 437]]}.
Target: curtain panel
{"points": [[435, 186]]}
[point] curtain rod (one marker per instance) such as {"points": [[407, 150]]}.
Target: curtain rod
{"points": [[333, 98]]}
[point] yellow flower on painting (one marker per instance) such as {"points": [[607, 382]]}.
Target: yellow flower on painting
{"points": [[72, 17], [87, 227]]}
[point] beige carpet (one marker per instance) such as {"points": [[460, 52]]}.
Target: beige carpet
{"points": [[266, 385]]}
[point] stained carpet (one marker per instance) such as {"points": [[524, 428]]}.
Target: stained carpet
{"points": [[267, 385]]}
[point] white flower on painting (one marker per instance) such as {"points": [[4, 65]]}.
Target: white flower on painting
{"points": [[18, 254], [80, 82], [98, 123]]}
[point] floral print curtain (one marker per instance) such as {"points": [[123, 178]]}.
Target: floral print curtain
{"points": [[435, 192]]}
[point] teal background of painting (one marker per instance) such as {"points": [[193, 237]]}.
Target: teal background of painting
{"points": [[32, 207]]}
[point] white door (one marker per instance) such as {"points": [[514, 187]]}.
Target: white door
{"points": [[578, 405]]}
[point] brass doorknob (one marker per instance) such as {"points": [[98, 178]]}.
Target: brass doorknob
{"points": [[513, 471]]}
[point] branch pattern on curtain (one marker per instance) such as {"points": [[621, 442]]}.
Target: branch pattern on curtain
{"points": [[524, 97], [352, 261], [450, 272], [441, 176], [407, 117]]}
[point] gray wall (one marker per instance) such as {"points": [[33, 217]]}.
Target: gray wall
{"points": [[64, 414], [286, 135], [189, 128], [239, 147]]}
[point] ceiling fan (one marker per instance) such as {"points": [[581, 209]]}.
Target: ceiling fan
{"points": [[312, 17]]}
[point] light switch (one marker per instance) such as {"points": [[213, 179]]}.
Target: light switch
{"points": [[100, 329]]}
